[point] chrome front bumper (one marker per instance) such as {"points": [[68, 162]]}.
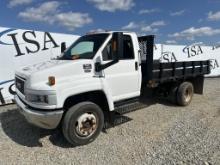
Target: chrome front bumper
{"points": [[43, 119]]}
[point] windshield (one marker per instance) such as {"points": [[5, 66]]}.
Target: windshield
{"points": [[85, 47]]}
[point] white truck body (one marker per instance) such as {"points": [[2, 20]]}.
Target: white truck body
{"points": [[72, 78]]}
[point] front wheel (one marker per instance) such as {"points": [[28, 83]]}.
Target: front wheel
{"points": [[83, 123]]}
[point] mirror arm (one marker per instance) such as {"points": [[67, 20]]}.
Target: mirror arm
{"points": [[99, 66]]}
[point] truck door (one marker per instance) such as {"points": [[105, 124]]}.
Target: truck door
{"points": [[123, 78]]}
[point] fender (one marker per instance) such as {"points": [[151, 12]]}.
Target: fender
{"points": [[86, 85]]}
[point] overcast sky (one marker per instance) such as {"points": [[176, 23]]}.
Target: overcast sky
{"points": [[172, 21]]}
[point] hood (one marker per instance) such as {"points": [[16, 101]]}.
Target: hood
{"points": [[28, 70], [59, 68]]}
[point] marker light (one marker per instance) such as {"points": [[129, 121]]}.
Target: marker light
{"points": [[51, 80]]}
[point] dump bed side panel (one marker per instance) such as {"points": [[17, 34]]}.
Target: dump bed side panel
{"points": [[176, 70], [154, 71]]}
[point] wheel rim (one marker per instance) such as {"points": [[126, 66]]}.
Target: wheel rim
{"points": [[188, 94], [86, 125]]}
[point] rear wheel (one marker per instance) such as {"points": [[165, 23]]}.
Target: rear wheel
{"points": [[83, 123], [185, 93]]}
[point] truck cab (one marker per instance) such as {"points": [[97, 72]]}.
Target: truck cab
{"points": [[89, 78]]}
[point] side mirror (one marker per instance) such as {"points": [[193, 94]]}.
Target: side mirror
{"points": [[117, 45], [63, 47], [116, 50]]}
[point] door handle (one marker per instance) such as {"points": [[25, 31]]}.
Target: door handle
{"points": [[136, 65]]}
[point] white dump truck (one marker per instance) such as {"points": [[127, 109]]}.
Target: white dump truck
{"points": [[97, 74]]}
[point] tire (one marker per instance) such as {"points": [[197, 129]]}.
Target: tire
{"points": [[185, 93], [82, 123]]}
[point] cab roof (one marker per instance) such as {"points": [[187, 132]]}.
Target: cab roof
{"points": [[107, 32]]}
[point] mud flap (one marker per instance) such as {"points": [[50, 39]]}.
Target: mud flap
{"points": [[198, 83]]}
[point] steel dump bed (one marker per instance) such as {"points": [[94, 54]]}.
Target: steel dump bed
{"points": [[157, 72]]}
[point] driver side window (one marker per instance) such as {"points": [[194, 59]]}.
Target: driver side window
{"points": [[128, 52]]}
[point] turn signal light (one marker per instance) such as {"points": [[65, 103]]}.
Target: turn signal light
{"points": [[51, 80]]}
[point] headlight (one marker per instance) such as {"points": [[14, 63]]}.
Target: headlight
{"points": [[37, 98]]}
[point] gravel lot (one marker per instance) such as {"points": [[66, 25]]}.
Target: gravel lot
{"points": [[158, 134]]}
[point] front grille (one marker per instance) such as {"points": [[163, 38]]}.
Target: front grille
{"points": [[19, 83]]}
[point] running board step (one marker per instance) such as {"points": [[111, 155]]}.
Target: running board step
{"points": [[126, 108]]}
